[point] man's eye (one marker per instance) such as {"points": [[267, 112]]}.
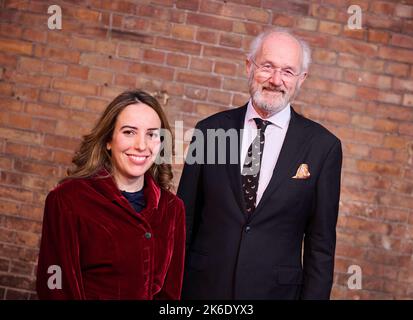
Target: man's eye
{"points": [[267, 67], [288, 72]]}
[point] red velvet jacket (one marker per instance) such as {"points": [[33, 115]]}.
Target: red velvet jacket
{"points": [[105, 249]]}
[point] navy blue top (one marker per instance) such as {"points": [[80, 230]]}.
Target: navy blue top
{"points": [[136, 199]]}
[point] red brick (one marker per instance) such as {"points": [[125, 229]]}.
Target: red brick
{"points": [[220, 97], [54, 68], [390, 111], [251, 29], [177, 60], [43, 125], [16, 46], [401, 55], [368, 79], [178, 45], [378, 36], [200, 64], [385, 125], [78, 72], [58, 39], [377, 22], [162, 27], [399, 40], [381, 7], [394, 142], [199, 79], [337, 116], [183, 32], [404, 11], [307, 23], [239, 85], [397, 69], [281, 20], [240, 99], [125, 80], [408, 100], [209, 22], [30, 65], [374, 65], [222, 52], [245, 13], [354, 47], [379, 95], [196, 93], [100, 76], [208, 6], [63, 157], [61, 142], [158, 72], [329, 27], [75, 86], [188, 4], [49, 96], [207, 36], [326, 72], [225, 68], [154, 56], [34, 35], [16, 149], [57, 54], [290, 6], [230, 40], [349, 61], [129, 51]]}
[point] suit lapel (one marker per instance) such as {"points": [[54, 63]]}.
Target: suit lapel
{"points": [[235, 120], [290, 151]]}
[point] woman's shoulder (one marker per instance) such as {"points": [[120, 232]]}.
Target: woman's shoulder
{"points": [[69, 187], [171, 199]]}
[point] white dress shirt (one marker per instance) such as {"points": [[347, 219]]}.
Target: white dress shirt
{"points": [[274, 139]]}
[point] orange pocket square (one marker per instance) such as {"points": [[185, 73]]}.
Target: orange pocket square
{"points": [[302, 172]]}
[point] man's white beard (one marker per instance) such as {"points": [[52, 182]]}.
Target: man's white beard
{"points": [[272, 106]]}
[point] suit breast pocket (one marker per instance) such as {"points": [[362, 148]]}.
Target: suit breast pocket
{"points": [[197, 261]]}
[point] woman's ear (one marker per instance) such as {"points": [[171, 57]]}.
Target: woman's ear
{"points": [[108, 146]]}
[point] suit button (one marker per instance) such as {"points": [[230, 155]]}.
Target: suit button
{"points": [[148, 235], [247, 229]]}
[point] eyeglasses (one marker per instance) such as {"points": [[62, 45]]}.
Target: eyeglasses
{"points": [[268, 69]]}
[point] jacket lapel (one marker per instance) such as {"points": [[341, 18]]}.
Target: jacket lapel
{"points": [[290, 152], [235, 120]]}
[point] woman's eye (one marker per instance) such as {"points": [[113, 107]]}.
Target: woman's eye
{"points": [[128, 132], [153, 134]]}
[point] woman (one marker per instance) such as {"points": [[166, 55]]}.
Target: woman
{"points": [[112, 229]]}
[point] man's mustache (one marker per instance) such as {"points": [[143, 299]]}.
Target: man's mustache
{"points": [[273, 88]]}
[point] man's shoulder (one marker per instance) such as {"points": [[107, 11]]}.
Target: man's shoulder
{"points": [[317, 129], [215, 120]]}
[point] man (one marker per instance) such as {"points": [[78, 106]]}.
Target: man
{"points": [[264, 229]]}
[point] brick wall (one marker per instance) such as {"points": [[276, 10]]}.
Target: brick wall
{"points": [[190, 53]]}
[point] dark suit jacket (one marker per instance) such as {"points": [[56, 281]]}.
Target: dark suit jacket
{"points": [[230, 256]]}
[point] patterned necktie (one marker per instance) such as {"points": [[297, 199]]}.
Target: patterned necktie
{"points": [[252, 164]]}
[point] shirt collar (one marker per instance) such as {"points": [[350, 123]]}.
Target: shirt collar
{"points": [[280, 119], [106, 185]]}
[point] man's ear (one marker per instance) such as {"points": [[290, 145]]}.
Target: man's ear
{"points": [[248, 65], [301, 79]]}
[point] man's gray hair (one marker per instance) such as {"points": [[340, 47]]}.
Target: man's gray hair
{"points": [[257, 42]]}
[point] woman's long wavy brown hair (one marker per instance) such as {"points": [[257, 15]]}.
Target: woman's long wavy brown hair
{"points": [[92, 155]]}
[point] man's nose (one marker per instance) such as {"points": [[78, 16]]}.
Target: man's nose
{"points": [[276, 77]]}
